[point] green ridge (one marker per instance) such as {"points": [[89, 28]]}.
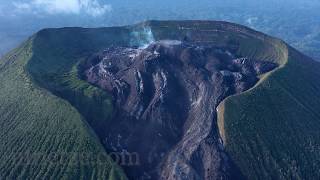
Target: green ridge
{"points": [[272, 131], [43, 136]]}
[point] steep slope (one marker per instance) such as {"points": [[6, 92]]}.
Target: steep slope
{"points": [[42, 136], [272, 131]]}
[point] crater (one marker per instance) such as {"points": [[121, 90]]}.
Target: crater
{"points": [[165, 97]]}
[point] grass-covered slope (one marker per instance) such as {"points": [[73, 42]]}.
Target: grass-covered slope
{"points": [[54, 66], [272, 130], [43, 136]]}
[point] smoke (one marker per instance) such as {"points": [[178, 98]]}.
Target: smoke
{"points": [[142, 37]]}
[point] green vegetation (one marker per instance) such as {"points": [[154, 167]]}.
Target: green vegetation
{"points": [[43, 136], [54, 67], [272, 130]]}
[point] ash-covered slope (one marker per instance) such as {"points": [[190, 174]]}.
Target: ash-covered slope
{"points": [[166, 96]]}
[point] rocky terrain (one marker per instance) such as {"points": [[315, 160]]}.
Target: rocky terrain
{"points": [[165, 96]]}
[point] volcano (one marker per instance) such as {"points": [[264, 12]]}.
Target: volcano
{"points": [[184, 99]]}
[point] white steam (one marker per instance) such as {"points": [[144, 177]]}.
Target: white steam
{"points": [[142, 38]]}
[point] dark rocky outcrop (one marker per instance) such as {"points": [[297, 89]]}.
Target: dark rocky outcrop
{"points": [[165, 98]]}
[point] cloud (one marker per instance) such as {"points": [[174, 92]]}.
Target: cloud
{"points": [[89, 7], [22, 6]]}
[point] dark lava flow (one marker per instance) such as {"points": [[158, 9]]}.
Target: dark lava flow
{"points": [[165, 98]]}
